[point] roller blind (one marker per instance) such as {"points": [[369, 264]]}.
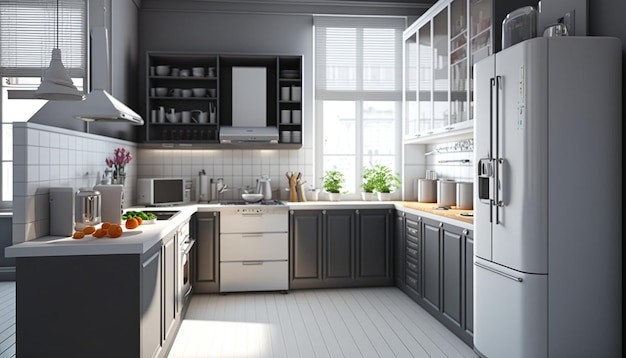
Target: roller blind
{"points": [[358, 54], [28, 33]]}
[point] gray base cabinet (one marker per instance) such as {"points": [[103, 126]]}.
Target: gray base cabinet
{"points": [[437, 270], [340, 248], [206, 263], [98, 306]]}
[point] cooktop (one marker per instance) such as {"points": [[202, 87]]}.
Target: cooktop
{"points": [[262, 202]]}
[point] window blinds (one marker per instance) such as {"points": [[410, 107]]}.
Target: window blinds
{"points": [[358, 54], [28, 33]]}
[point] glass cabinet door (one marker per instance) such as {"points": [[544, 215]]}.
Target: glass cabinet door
{"points": [[480, 37], [410, 86], [458, 62], [425, 78], [441, 113]]}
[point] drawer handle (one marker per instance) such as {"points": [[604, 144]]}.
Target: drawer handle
{"points": [[412, 252], [250, 263], [251, 235]]}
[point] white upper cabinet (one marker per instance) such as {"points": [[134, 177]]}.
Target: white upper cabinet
{"points": [[440, 49]]}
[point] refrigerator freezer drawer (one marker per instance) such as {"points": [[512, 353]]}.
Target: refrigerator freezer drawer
{"points": [[254, 276], [510, 312]]}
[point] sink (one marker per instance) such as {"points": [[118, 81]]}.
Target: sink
{"points": [[163, 215]]}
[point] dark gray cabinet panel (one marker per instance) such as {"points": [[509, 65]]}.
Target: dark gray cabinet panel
{"points": [[305, 258], [374, 245], [206, 250], [431, 263], [469, 284], [340, 248], [452, 279], [339, 241], [151, 305], [398, 250]]}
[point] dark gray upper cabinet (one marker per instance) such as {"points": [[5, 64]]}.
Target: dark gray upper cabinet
{"points": [[206, 250], [280, 98]]}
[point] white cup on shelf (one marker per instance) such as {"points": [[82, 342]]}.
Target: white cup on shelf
{"points": [[296, 116], [285, 116], [285, 93], [296, 93]]}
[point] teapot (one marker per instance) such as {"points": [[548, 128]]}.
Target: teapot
{"points": [[263, 187]]}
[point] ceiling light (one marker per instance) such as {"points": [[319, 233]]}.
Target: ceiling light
{"points": [[56, 83]]}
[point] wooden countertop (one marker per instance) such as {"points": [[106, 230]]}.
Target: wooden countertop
{"points": [[452, 213]]}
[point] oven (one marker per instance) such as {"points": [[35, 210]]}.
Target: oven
{"points": [[254, 247], [185, 244]]}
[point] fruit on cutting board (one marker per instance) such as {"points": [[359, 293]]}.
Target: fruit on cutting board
{"points": [[131, 223]]}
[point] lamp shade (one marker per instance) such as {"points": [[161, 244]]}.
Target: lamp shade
{"points": [[56, 83]]}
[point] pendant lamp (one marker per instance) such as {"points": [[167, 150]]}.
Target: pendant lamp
{"points": [[57, 84]]}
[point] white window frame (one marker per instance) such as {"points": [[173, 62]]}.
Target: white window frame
{"points": [[36, 40], [359, 97]]}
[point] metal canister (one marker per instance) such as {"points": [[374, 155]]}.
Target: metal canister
{"points": [[87, 208]]}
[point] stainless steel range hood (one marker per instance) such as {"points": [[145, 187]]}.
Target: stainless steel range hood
{"points": [[99, 105], [253, 135]]}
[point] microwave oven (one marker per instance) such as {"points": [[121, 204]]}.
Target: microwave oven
{"points": [[160, 191]]}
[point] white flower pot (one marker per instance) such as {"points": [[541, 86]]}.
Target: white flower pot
{"points": [[384, 196], [334, 196], [368, 196]]}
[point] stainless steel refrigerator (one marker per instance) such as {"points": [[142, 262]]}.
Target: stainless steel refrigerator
{"points": [[548, 197]]}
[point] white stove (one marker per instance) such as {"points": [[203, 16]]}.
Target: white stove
{"points": [[254, 247]]}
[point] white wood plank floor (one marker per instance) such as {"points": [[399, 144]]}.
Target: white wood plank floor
{"points": [[7, 319], [366, 322]]}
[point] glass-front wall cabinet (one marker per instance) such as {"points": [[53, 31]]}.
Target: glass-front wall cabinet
{"points": [[437, 65]]}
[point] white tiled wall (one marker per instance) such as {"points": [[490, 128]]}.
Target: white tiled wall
{"points": [[417, 162], [45, 157], [238, 167]]}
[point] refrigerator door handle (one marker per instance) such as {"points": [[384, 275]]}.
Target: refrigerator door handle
{"points": [[498, 161], [510, 277]]}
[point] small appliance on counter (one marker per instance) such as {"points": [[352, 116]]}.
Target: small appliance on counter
{"points": [[160, 191], [112, 197], [519, 25], [465, 195], [87, 208], [61, 211], [426, 190]]}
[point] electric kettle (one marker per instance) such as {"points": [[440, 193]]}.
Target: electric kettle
{"points": [[263, 187]]}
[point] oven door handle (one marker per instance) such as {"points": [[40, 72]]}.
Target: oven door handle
{"points": [[188, 244]]}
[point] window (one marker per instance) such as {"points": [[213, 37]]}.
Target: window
{"points": [[28, 33], [358, 94]]}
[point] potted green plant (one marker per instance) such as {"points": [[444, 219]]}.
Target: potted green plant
{"points": [[368, 184], [332, 182], [385, 181]]}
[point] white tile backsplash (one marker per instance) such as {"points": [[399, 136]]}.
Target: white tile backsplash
{"points": [[48, 156]]}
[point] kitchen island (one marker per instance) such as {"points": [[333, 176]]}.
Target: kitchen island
{"points": [[120, 297]]}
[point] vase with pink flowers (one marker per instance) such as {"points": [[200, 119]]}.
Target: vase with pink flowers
{"points": [[117, 163]]}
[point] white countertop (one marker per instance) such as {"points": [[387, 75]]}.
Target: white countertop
{"points": [[141, 239]]}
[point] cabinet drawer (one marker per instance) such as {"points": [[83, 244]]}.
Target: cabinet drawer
{"points": [[412, 224], [254, 276], [412, 253], [411, 265], [412, 233], [254, 247], [412, 282], [412, 245]]}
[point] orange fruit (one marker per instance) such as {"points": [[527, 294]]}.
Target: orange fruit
{"points": [[105, 225], [89, 230], [99, 233], [132, 223], [114, 231], [139, 220], [78, 235]]}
